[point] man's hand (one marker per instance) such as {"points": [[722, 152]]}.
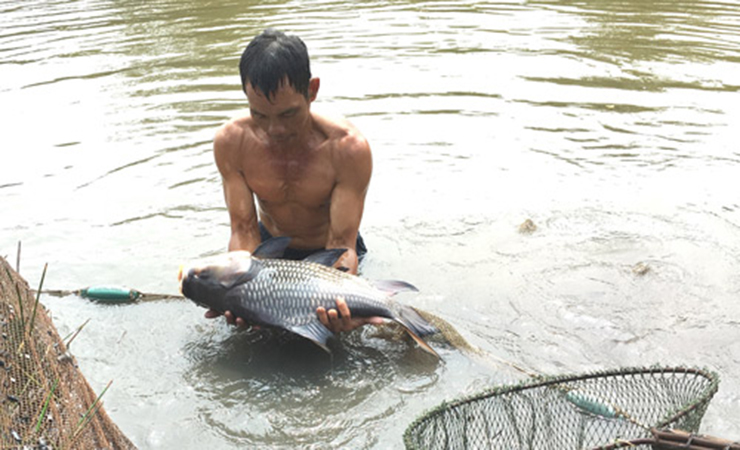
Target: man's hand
{"points": [[230, 319], [338, 320]]}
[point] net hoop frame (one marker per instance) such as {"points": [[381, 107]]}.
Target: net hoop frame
{"points": [[541, 381]]}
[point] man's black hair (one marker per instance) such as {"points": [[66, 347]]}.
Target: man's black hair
{"points": [[270, 58]]}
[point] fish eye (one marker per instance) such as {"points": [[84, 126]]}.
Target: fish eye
{"points": [[203, 274]]}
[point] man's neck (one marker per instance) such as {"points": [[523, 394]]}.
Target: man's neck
{"points": [[305, 141]]}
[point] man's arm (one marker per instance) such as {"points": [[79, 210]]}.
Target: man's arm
{"points": [[353, 163], [245, 234]]}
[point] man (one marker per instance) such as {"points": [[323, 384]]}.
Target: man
{"points": [[309, 174]]}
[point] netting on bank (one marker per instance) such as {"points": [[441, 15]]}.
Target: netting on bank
{"points": [[45, 401], [588, 411]]}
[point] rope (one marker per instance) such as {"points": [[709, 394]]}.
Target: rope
{"points": [[112, 295]]}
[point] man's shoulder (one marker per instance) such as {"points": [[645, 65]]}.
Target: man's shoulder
{"points": [[233, 130], [343, 135], [231, 136], [350, 151]]}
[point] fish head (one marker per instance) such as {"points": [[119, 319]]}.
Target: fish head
{"points": [[206, 282]]}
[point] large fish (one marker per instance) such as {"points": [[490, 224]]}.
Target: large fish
{"points": [[284, 294]]}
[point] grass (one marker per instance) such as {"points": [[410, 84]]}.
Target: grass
{"points": [[75, 334], [46, 405], [20, 298], [87, 417], [38, 296]]}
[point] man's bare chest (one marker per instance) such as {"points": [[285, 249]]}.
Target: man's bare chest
{"points": [[302, 181]]}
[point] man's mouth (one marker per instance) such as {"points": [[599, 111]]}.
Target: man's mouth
{"points": [[280, 138]]}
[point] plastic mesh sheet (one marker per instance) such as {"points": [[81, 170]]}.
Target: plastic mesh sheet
{"points": [[45, 401]]}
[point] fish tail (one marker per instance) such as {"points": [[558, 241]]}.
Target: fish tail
{"points": [[416, 326]]}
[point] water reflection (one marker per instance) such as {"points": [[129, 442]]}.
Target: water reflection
{"points": [[634, 30], [611, 124], [271, 388]]}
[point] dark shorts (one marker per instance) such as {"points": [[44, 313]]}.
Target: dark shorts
{"points": [[300, 253]]}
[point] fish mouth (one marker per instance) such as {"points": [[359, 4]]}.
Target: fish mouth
{"points": [[179, 276], [185, 275]]}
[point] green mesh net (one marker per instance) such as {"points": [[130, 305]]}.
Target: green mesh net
{"points": [[614, 408]]}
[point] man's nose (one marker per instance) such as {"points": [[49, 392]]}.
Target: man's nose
{"points": [[276, 127]]}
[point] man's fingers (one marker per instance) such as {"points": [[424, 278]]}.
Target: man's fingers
{"points": [[212, 314], [323, 318], [333, 316], [340, 319], [229, 317], [344, 313], [374, 320], [335, 322], [329, 319]]}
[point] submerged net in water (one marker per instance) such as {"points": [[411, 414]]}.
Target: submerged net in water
{"points": [[45, 401], [570, 412]]}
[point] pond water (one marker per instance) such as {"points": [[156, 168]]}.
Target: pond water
{"points": [[613, 126]]}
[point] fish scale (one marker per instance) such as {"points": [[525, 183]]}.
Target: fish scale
{"points": [[301, 287]]}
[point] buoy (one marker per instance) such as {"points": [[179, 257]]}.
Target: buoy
{"points": [[110, 294], [592, 404]]}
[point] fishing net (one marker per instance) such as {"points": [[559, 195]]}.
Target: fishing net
{"points": [[570, 412], [45, 401]]}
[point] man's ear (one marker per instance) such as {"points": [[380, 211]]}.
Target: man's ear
{"points": [[313, 88]]}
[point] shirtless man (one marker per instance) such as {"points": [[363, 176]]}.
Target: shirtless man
{"points": [[287, 171]]}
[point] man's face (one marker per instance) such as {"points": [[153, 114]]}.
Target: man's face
{"points": [[285, 115]]}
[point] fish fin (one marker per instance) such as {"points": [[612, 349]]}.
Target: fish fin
{"points": [[416, 326], [272, 248], [421, 326], [314, 331], [236, 278], [326, 257], [393, 286]]}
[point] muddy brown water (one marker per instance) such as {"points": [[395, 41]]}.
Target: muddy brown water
{"points": [[612, 126]]}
